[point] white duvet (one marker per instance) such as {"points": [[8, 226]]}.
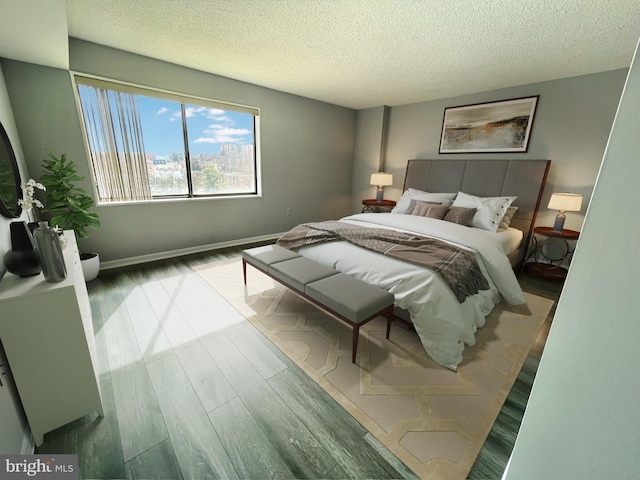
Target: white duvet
{"points": [[443, 324]]}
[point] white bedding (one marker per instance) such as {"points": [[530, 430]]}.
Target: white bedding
{"points": [[443, 324], [510, 239]]}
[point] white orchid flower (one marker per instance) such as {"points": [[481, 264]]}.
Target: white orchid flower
{"points": [[28, 202]]}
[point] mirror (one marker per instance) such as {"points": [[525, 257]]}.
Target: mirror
{"points": [[10, 190]]}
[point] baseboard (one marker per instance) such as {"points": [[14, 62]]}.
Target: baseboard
{"points": [[152, 257]]}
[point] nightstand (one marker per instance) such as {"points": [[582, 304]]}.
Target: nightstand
{"points": [[546, 256], [372, 205]]}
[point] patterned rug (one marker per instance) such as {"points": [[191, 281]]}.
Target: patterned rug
{"points": [[433, 419]]}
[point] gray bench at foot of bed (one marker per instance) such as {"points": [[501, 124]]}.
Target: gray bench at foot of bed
{"points": [[351, 300]]}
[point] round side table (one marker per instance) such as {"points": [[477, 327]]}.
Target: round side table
{"points": [[547, 257], [373, 206]]}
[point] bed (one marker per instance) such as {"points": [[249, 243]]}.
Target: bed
{"points": [[443, 320]]}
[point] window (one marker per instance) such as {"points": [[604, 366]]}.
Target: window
{"points": [[147, 144]]}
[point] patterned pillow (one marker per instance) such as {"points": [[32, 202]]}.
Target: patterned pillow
{"points": [[459, 215], [429, 209], [506, 219], [412, 194], [414, 202]]}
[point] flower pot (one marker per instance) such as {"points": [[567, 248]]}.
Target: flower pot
{"points": [[90, 265]]}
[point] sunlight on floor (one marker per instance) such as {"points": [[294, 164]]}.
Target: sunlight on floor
{"points": [[164, 315]]}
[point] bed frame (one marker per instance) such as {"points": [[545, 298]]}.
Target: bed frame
{"points": [[487, 178]]}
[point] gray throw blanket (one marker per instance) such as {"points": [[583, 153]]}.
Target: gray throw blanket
{"points": [[457, 267]]}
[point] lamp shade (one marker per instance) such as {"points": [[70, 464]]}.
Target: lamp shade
{"points": [[565, 202], [381, 179]]}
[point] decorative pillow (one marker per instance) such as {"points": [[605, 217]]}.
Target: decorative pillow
{"points": [[412, 194], [459, 215], [428, 209], [506, 219], [490, 209], [414, 202]]}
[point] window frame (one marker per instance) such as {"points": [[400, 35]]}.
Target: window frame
{"points": [[182, 99]]}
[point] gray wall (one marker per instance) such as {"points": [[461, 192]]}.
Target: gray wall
{"points": [[582, 418], [307, 154], [571, 126], [367, 158], [8, 121], [15, 435]]}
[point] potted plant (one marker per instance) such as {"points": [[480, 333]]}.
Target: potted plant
{"points": [[69, 205]]}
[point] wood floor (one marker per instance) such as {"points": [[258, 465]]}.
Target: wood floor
{"points": [[494, 456], [192, 391]]}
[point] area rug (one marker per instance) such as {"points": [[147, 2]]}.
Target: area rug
{"points": [[433, 419]]}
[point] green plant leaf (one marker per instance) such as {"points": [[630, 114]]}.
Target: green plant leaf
{"points": [[67, 203]]}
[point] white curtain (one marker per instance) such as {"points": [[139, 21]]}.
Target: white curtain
{"points": [[114, 134]]}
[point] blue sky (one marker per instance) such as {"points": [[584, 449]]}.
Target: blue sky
{"points": [[208, 128]]}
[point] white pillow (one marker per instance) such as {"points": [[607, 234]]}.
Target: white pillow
{"points": [[412, 194], [490, 210]]}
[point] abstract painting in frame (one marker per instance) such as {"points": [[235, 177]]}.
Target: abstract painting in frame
{"points": [[503, 126]]}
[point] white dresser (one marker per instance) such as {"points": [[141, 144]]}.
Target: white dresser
{"points": [[47, 333]]}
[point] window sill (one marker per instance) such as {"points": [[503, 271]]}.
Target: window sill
{"points": [[161, 201]]}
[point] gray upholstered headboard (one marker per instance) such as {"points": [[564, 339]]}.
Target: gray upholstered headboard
{"points": [[487, 178]]}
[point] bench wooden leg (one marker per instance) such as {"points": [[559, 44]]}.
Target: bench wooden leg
{"points": [[354, 347], [244, 270], [389, 315]]}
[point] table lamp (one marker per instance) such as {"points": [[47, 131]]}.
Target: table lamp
{"points": [[564, 202], [381, 179]]}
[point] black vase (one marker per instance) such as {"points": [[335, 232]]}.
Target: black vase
{"points": [[23, 258]]}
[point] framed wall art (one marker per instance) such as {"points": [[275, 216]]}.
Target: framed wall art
{"points": [[494, 127]]}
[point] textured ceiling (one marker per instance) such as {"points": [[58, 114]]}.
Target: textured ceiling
{"points": [[365, 53]]}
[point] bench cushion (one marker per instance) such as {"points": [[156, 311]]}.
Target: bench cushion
{"points": [[297, 272], [262, 257], [350, 297]]}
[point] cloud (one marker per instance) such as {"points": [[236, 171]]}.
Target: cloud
{"points": [[221, 118], [220, 134], [222, 130], [220, 139], [194, 111], [213, 113], [191, 111]]}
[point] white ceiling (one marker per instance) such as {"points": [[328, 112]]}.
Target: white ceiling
{"points": [[366, 53]]}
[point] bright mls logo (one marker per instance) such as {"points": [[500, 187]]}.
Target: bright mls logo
{"points": [[51, 467]]}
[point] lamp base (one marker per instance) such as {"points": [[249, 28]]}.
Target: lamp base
{"points": [[379, 195], [558, 225]]}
